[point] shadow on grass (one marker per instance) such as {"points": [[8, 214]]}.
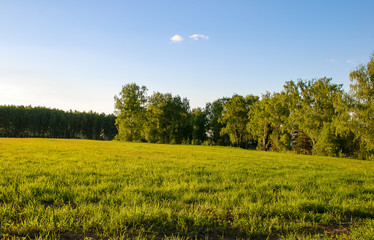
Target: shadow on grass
{"points": [[215, 234], [346, 213], [210, 225]]}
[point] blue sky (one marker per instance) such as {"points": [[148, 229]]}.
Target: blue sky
{"points": [[78, 54]]}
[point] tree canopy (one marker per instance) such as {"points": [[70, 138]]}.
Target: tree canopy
{"points": [[308, 116]]}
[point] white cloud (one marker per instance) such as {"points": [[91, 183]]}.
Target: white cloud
{"points": [[176, 38], [349, 61], [332, 60], [197, 36]]}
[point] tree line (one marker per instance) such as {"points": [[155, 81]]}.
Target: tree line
{"points": [[307, 116], [27, 121]]}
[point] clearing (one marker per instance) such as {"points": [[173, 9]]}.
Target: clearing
{"points": [[85, 189]]}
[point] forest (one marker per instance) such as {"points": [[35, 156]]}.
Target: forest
{"points": [[27, 121], [307, 116]]}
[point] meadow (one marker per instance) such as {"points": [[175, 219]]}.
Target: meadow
{"points": [[86, 189]]}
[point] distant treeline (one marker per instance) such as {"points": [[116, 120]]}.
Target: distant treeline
{"points": [[308, 116], [27, 121]]}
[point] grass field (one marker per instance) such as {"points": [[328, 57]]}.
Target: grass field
{"points": [[80, 189]]}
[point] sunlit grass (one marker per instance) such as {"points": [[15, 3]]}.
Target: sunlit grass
{"points": [[76, 189]]}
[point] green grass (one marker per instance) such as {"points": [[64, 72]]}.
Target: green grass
{"points": [[79, 189]]}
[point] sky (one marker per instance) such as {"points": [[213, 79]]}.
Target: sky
{"points": [[78, 54]]}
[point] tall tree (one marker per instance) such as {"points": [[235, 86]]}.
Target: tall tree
{"points": [[130, 106], [259, 121], [268, 122], [213, 112], [362, 110], [313, 107], [168, 119], [199, 123], [235, 117]]}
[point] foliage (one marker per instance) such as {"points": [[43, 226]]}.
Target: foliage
{"points": [[168, 119], [130, 106], [235, 118], [267, 122], [312, 105], [76, 189], [302, 144], [213, 112], [362, 108], [199, 127]]}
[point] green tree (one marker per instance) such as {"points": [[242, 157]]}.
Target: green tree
{"points": [[302, 143], [199, 123], [235, 118], [168, 119], [268, 122], [362, 107], [213, 112], [130, 109], [258, 121], [281, 128], [314, 104]]}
